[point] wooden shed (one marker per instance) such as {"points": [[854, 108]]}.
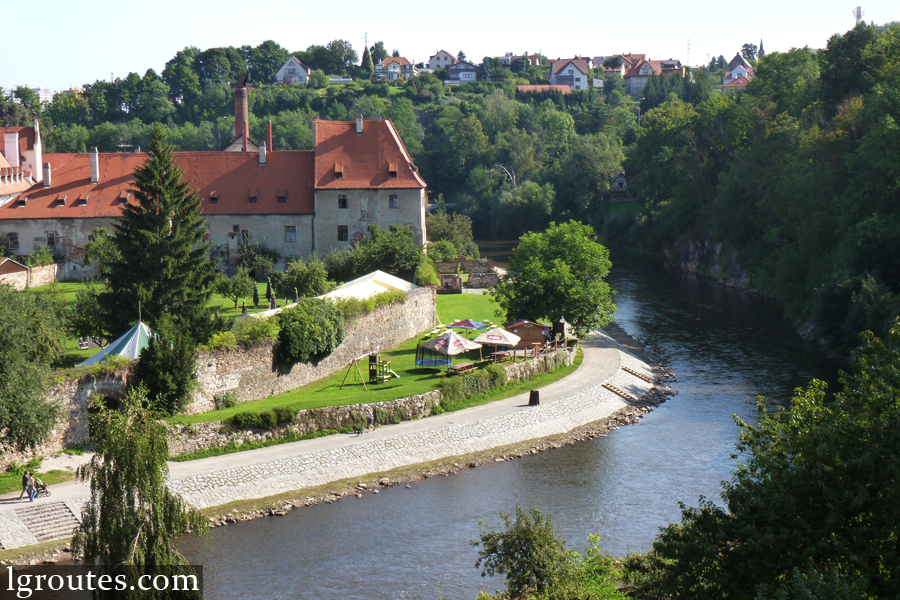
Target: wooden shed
{"points": [[530, 332]]}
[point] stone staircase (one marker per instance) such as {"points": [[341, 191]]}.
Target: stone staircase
{"points": [[49, 521]]}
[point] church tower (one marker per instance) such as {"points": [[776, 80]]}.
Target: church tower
{"points": [[761, 52]]}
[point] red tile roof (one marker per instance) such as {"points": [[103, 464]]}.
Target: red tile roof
{"points": [[400, 60], [365, 159], [658, 67], [562, 89], [740, 82], [26, 138], [235, 176]]}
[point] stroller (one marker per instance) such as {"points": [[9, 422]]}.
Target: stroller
{"points": [[42, 491]]}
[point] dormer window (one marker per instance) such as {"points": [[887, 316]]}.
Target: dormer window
{"points": [[82, 200], [338, 171], [282, 198], [392, 170], [123, 198], [23, 202], [253, 198], [60, 201], [214, 197]]}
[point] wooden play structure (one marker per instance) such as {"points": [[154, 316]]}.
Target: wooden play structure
{"points": [[379, 370]]}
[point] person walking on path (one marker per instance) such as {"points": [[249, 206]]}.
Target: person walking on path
{"points": [[32, 490], [370, 420], [24, 484]]}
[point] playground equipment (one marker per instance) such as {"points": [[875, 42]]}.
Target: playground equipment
{"points": [[379, 370]]}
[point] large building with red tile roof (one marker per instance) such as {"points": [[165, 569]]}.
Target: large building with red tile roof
{"points": [[738, 73], [395, 67], [297, 202]]}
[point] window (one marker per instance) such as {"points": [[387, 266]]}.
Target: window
{"points": [[338, 171], [571, 71], [214, 197], [393, 202], [282, 199], [51, 240], [12, 241], [290, 233], [342, 201], [236, 228], [392, 170], [578, 79], [245, 235], [343, 234], [252, 199]]}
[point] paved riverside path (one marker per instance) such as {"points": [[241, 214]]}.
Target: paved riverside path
{"points": [[566, 404]]}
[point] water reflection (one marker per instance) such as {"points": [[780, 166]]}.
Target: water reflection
{"points": [[724, 345]]}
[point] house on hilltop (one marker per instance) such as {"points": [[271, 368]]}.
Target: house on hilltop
{"points": [[462, 72], [636, 77], [573, 72], [441, 60], [738, 73], [395, 67], [292, 71]]}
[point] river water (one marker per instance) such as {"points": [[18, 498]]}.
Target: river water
{"points": [[725, 347]]}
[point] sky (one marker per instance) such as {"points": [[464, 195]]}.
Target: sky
{"points": [[63, 44]]}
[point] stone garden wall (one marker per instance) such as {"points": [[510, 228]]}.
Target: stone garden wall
{"points": [[73, 396], [39, 276], [254, 373], [469, 265], [200, 436]]}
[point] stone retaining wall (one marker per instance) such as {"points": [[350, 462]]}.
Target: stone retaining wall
{"points": [[72, 395], [200, 436], [18, 280], [254, 373]]}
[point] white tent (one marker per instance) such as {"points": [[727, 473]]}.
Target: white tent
{"points": [[129, 345]]}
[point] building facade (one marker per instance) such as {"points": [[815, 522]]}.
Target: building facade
{"points": [[462, 72], [573, 72], [441, 60], [299, 203], [395, 67]]}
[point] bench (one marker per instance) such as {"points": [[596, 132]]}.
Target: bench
{"points": [[460, 368]]}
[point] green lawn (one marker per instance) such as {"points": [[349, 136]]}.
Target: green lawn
{"points": [[12, 482], [413, 380], [456, 307]]}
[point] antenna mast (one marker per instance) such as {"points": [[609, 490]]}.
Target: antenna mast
{"points": [[689, 54], [858, 12]]}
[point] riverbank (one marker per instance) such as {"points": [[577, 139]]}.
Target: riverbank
{"points": [[576, 408]]}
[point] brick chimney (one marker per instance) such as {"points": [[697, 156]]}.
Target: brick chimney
{"points": [[11, 144], [241, 112], [269, 135]]}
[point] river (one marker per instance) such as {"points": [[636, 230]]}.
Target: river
{"points": [[725, 347]]}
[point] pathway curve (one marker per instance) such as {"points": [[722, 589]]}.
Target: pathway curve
{"points": [[571, 402]]}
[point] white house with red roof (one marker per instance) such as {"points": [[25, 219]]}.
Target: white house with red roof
{"points": [[738, 73], [573, 72], [441, 60], [298, 202], [292, 71], [395, 67]]}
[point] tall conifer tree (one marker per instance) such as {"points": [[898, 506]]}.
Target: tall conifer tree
{"points": [[367, 64], [162, 260]]}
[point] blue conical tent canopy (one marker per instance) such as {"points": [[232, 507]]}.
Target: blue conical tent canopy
{"points": [[129, 345]]}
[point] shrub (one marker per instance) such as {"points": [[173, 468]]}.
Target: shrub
{"points": [[226, 400], [352, 307], [311, 330], [497, 375], [442, 250], [267, 419], [283, 414], [426, 274], [220, 341], [244, 420], [40, 257], [308, 278], [251, 330]]}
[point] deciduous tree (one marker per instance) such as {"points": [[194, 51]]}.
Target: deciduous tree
{"points": [[558, 273], [132, 521]]}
